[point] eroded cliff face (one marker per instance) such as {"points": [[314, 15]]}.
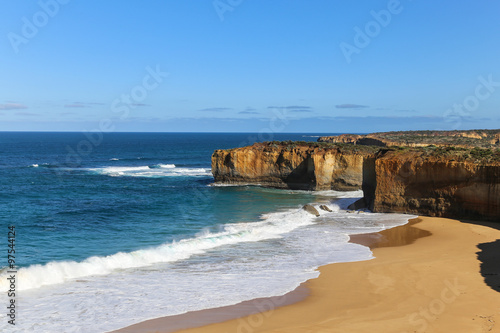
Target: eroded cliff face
{"points": [[289, 166], [433, 182], [431, 185]]}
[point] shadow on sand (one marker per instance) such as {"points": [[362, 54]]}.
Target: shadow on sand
{"points": [[490, 263], [489, 256]]}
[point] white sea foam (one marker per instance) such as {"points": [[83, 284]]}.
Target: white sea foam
{"points": [[273, 226], [166, 166], [325, 193], [220, 268], [157, 170], [45, 165], [340, 194], [331, 193], [232, 185]]}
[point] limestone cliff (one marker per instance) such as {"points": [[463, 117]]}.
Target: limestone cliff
{"points": [[434, 181], [292, 166], [433, 185]]}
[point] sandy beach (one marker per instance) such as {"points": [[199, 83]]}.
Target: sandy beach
{"points": [[432, 275]]}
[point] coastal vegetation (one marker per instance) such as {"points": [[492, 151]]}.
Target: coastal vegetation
{"points": [[465, 139], [457, 153]]}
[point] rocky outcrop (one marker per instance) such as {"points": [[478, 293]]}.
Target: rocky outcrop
{"points": [[325, 208], [290, 166], [311, 210], [413, 182], [496, 139]]}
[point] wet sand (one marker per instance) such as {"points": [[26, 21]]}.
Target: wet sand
{"points": [[426, 277]]}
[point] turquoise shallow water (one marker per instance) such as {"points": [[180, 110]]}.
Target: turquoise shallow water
{"points": [[130, 216]]}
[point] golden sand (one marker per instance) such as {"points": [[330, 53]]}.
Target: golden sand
{"points": [[415, 284]]}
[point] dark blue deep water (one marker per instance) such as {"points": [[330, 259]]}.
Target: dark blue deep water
{"points": [[72, 195]]}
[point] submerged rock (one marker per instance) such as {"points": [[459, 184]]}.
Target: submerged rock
{"points": [[311, 210]]}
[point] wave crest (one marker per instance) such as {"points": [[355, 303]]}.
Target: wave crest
{"points": [[272, 226], [156, 170]]}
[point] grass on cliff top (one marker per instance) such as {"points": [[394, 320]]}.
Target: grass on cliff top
{"points": [[429, 133], [289, 145], [476, 154], [452, 153], [482, 138]]}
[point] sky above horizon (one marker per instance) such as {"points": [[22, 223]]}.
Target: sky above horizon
{"points": [[249, 66]]}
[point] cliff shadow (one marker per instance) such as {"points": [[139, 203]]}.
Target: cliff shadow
{"points": [[302, 177], [369, 181], [489, 256]]}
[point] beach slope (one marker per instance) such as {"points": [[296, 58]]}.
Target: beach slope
{"points": [[435, 284]]}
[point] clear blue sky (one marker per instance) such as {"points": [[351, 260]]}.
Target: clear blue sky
{"points": [[249, 65]]}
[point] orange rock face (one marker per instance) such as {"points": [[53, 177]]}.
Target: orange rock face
{"points": [[283, 166], [432, 186], [409, 181], [496, 140]]}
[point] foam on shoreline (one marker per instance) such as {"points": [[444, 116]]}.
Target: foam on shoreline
{"points": [[237, 255]]}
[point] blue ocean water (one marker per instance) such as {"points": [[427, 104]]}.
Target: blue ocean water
{"points": [[107, 223]]}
